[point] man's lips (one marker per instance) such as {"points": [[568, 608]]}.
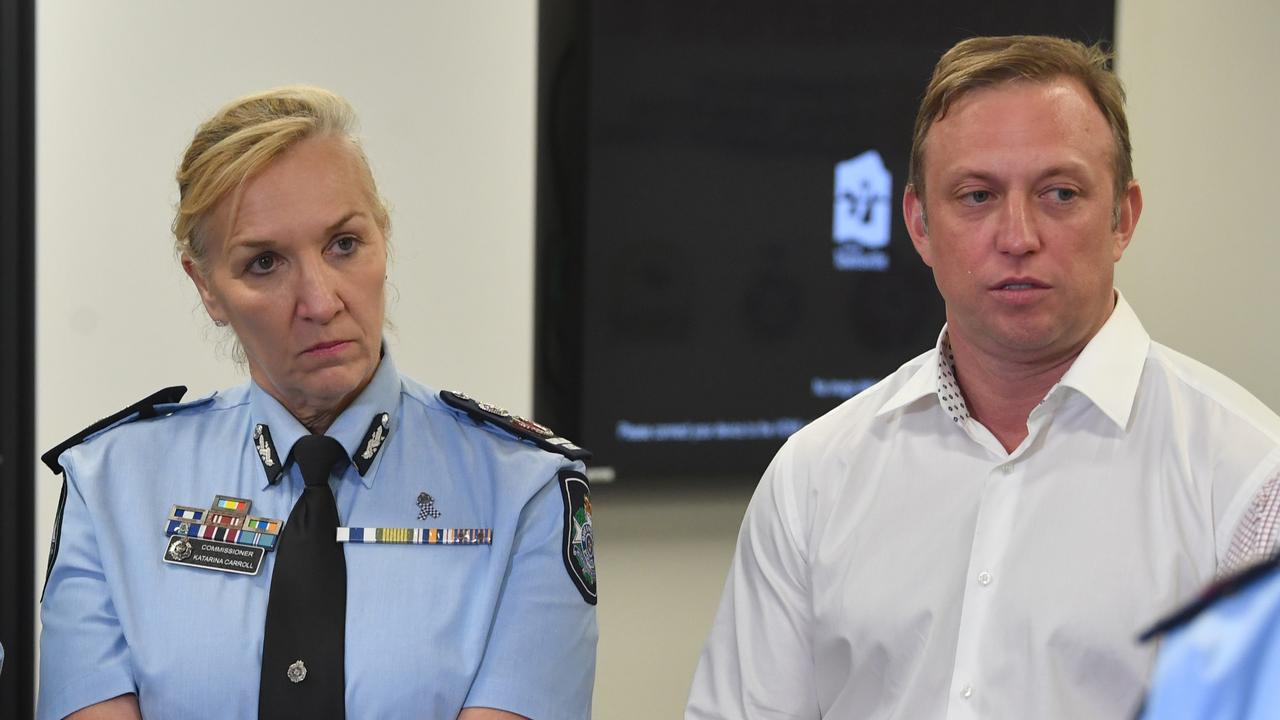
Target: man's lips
{"points": [[1020, 283]]}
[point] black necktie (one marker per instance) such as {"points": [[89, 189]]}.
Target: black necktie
{"points": [[303, 646]]}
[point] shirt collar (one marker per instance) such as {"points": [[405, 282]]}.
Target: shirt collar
{"points": [[353, 428], [1109, 368], [1106, 372], [924, 381]]}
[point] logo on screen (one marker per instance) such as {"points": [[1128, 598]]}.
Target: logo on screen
{"points": [[860, 222]]}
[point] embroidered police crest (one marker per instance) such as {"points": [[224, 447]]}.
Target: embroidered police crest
{"points": [[579, 536]]}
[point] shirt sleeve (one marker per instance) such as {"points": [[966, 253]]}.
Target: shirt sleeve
{"points": [[758, 661], [1256, 538], [84, 658], [540, 660]]}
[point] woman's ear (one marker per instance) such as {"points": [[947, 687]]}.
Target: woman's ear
{"points": [[211, 303]]}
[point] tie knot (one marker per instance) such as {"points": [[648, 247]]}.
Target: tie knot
{"points": [[316, 455]]}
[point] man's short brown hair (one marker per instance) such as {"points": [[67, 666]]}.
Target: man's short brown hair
{"points": [[985, 61]]}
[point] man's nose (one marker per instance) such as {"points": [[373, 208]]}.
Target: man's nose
{"points": [[1018, 234]]}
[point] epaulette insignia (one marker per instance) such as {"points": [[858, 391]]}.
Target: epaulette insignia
{"points": [[1219, 590], [147, 407], [523, 428]]}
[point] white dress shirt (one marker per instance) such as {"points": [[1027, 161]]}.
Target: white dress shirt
{"points": [[896, 562]]}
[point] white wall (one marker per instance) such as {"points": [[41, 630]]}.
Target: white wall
{"points": [[445, 89], [1204, 268]]}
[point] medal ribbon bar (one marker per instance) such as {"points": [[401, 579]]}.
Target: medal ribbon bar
{"points": [[416, 536]]}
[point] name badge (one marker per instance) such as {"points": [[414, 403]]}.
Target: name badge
{"points": [[214, 555], [224, 537]]}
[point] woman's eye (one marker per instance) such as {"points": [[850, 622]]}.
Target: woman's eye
{"points": [[262, 264], [345, 244]]}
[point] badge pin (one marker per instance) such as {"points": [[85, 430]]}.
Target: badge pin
{"points": [[533, 427], [297, 672], [427, 507], [493, 409]]}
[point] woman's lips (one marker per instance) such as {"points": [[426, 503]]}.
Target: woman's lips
{"points": [[327, 348]]}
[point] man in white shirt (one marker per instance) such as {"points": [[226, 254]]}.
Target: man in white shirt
{"points": [[984, 532]]}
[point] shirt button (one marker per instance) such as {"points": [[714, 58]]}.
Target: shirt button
{"points": [[966, 692], [1007, 468], [984, 578]]}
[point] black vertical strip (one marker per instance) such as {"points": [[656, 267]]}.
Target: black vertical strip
{"points": [[560, 221], [17, 356]]}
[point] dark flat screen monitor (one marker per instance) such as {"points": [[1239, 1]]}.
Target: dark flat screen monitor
{"points": [[722, 256]]}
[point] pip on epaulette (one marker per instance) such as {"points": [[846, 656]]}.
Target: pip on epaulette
{"points": [[522, 428]]}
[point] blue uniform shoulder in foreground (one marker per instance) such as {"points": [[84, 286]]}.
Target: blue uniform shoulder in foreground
{"points": [[469, 552], [1221, 657]]}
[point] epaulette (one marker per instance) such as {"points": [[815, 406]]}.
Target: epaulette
{"points": [[147, 407], [522, 428], [1217, 591]]}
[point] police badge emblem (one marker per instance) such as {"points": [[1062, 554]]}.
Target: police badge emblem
{"points": [[579, 535], [180, 549]]}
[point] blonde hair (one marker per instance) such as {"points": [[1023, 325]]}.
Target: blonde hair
{"points": [[243, 138], [985, 61]]}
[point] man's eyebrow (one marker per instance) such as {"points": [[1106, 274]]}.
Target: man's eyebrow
{"points": [[1066, 168], [1070, 167], [963, 173]]}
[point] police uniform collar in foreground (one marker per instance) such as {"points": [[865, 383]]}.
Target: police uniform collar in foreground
{"points": [[376, 407]]}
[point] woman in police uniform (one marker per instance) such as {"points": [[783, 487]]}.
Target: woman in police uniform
{"points": [[330, 539]]}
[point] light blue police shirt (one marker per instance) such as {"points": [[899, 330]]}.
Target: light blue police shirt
{"points": [[431, 629], [1224, 664]]}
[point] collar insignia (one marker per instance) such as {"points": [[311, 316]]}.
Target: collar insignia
{"points": [[267, 452], [373, 441]]}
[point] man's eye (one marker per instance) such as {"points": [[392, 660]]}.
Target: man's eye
{"points": [[1064, 194], [977, 197], [262, 264]]}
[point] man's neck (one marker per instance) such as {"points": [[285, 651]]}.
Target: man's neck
{"points": [[1001, 393]]}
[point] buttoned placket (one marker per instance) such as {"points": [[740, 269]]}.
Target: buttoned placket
{"points": [[991, 541]]}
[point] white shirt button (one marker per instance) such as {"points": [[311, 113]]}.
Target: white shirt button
{"points": [[984, 578], [1007, 468], [966, 692]]}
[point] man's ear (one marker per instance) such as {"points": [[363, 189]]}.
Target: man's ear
{"points": [[1128, 210], [211, 303], [913, 213]]}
